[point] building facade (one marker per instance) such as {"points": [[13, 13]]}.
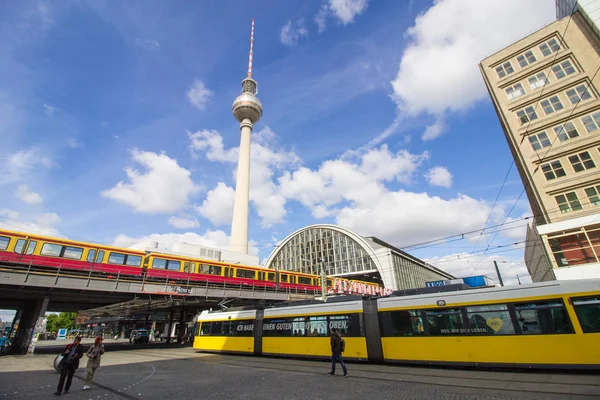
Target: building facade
{"points": [[544, 88], [343, 253]]}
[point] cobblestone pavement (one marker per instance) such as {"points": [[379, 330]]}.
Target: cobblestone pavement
{"points": [[181, 373]]}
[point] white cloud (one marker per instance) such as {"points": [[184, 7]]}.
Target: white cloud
{"points": [[184, 223], [267, 159], [49, 110], [148, 44], [218, 205], [19, 165], [439, 69], [199, 95], [215, 239], [47, 219], [439, 176], [41, 223], [434, 130], [342, 10], [74, 143], [290, 35], [164, 186], [462, 265], [28, 196]]}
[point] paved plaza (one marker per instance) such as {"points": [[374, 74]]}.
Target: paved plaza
{"points": [[171, 373]]}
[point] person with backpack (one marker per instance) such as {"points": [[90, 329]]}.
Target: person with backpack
{"points": [[338, 345], [69, 364]]}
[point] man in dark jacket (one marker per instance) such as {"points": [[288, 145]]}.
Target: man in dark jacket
{"points": [[69, 364], [336, 353]]}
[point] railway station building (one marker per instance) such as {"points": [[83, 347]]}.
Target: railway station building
{"points": [[343, 253]]}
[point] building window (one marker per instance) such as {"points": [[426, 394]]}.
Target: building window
{"points": [[537, 80], [549, 47], [539, 141], [566, 131], [553, 170], [582, 161], [512, 92], [593, 194], [592, 121], [568, 202], [504, 69], [574, 248], [578, 94], [551, 105], [526, 58], [563, 69], [527, 114]]}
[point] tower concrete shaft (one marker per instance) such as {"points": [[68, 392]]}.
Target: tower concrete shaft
{"points": [[247, 109]]}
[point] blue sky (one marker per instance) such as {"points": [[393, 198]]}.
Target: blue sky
{"points": [[116, 125]]}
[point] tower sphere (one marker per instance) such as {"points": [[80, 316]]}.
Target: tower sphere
{"points": [[247, 104]]}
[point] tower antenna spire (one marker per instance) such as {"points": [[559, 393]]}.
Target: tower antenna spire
{"points": [[251, 53]]}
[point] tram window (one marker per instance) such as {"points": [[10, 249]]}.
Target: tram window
{"points": [[31, 247], [173, 265], [73, 252], [348, 324], [244, 273], [304, 281], [329, 283], [244, 328], [134, 261], [588, 313], [186, 267], [543, 318], [283, 278], [209, 269], [446, 321], [205, 328], [91, 255], [492, 320], [50, 249], [216, 329], [271, 276], [100, 256], [116, 258], [19, 246], [406, 323], [285, 327], [4, 241], [228, 328], [159, 263], [317, 326]]}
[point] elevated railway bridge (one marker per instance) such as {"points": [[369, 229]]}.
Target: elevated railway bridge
{"points": [[34, 289]]}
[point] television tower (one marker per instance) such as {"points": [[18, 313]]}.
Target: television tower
{"points": [[247, 109]]}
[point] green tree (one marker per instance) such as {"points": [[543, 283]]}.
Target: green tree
{"points": [[63, 320]]}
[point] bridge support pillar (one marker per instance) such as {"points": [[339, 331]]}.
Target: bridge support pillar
{"points": [[32, 317], [170, 326], [182, 325]]}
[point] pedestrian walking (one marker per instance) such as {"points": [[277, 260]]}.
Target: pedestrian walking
{"points": [[69, 364], [94, 354], [2, 343], [337, 348]]}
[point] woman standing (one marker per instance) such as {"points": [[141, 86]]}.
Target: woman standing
{"points": [[94, 355]]}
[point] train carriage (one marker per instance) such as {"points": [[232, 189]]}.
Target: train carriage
{"points": [[231, 332]]}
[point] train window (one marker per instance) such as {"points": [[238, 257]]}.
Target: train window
{"points": [[304, 281], [100, 256], [209, 269], [492, 320], [31, 247], [543, 318], [19, 246], [284, 326], [283, 278], [271, 276], [91, 255], [348, 325], [329, 283], [116, 258], [73, 252], [205, 328], [216, 329], [186, 267], [173, 265], [159, 263], [244, 328], [588, 313], [317, 326], [245, 273], [50, 249], [228, 328], [4, 241], [445, 321], [133, 261], [406, 323]]}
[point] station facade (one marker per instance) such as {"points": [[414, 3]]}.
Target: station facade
{"points": [[343, 253]]}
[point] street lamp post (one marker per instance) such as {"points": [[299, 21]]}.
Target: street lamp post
{"points": [[323, 281]]}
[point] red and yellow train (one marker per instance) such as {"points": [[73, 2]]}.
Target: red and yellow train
{"points": [[75, 256]]}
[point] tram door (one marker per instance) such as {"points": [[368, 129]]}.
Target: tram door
{"points": [[25, 248]]}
